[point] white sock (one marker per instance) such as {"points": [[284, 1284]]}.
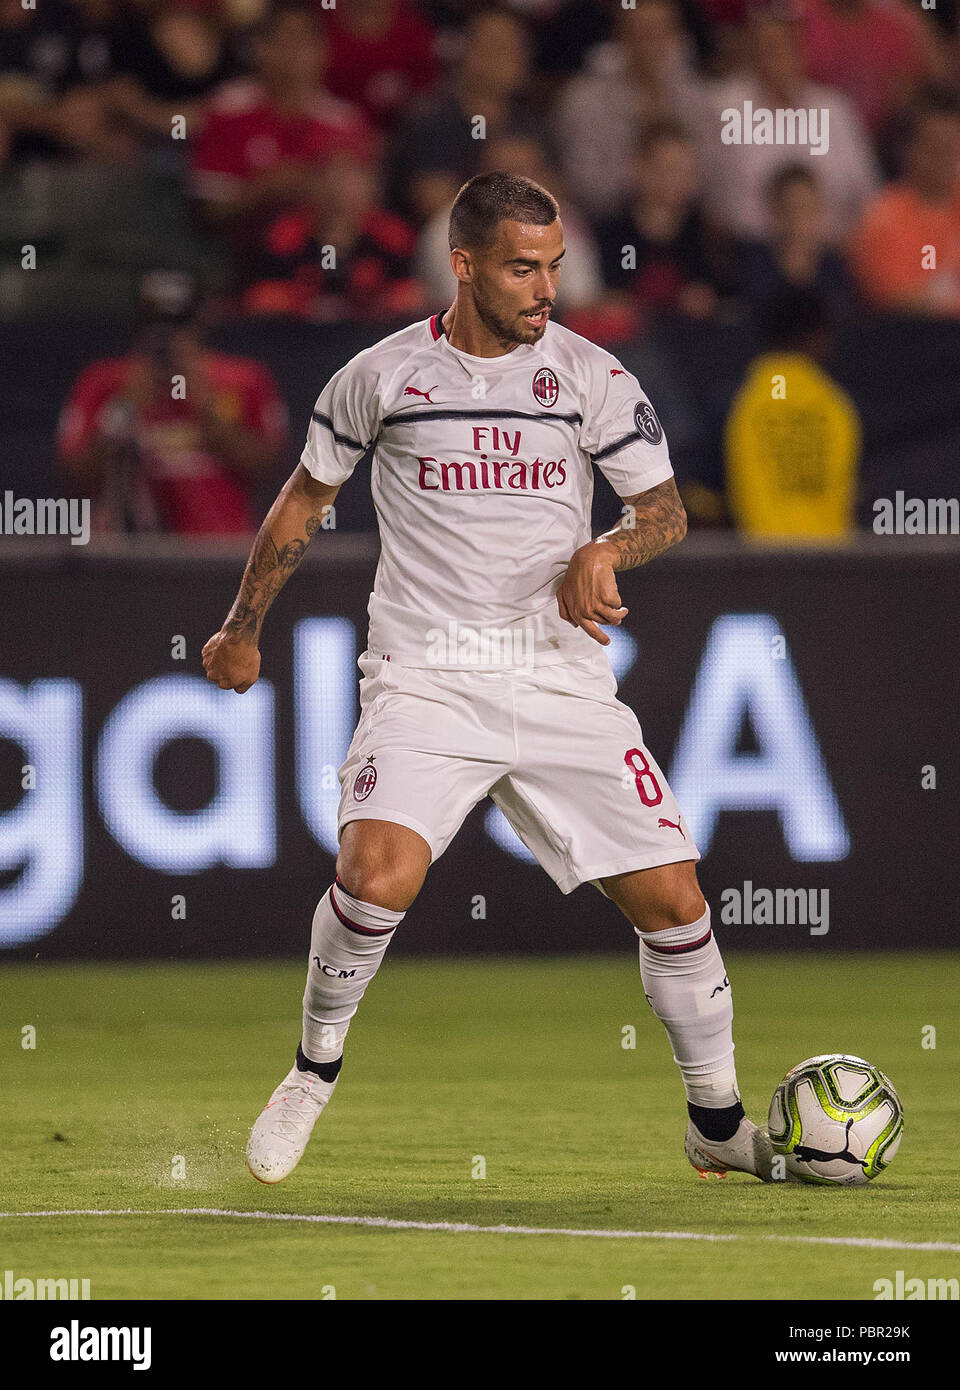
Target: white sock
{"points": [[685, 981], [347, 943]]}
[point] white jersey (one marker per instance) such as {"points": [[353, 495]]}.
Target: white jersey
{"points": [[483, 482]]}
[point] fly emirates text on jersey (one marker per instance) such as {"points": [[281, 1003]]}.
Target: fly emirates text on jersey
{"points": [[491, 473]]}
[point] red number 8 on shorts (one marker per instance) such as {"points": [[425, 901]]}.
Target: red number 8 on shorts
{"points": [[648, 788]]}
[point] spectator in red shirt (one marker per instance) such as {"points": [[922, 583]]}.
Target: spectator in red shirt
{"points": [[874, 51], [342, 257], [264, 141], [381, 55], [171, 437]]}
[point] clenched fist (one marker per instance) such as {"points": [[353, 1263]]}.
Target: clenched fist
{"points": [[231, 664], [588, 594]]}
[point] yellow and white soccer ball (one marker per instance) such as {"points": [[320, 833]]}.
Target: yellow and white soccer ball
{"points": [[835, 1119]]}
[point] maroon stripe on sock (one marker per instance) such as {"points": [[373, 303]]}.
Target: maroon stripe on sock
{"points": [[355, 926], [679, 950]]}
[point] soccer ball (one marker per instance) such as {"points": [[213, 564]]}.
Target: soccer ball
{"points": [[836, 1119]]}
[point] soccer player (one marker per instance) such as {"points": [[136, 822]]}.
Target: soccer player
{"points": [[484, 672]]}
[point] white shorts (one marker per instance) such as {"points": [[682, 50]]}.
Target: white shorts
{"points": [[552, 746]]}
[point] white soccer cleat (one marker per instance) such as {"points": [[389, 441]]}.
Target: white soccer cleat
{"points": [[280, 1135], [748, 1151]]}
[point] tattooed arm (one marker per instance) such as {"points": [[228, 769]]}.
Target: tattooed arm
{"points": [[588, 594], [231, 658]]}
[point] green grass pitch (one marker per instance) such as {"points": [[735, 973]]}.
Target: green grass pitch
{"points": [[143, 1073]]}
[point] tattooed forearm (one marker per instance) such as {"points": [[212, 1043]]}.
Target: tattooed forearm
{"points": [[291, 524], [653, 521], [268, 569]]}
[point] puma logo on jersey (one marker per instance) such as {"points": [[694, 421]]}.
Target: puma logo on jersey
{"points": [[617, 371], [662, 824], [412, 391]]}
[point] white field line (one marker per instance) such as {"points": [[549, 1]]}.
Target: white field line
{"points": [[465, 1228]]}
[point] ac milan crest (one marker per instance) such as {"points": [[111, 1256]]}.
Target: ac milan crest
{"points": [[365, 781], [545, 387]]}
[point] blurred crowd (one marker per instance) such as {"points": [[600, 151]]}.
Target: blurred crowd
{"points": [[317, 145]]}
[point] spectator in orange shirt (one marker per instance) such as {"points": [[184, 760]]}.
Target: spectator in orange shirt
{"points": [[171, 437], [906, 251]]}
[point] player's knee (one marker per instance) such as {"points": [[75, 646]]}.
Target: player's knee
{"points": [[375, 870], [381, 885], [667, 897], [679, 901], [685, 906]]}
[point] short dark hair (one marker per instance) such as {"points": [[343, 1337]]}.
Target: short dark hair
{"points": [[486, 200]]}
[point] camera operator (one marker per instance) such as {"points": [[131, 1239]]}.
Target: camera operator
{"points": [[171, 437]]}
